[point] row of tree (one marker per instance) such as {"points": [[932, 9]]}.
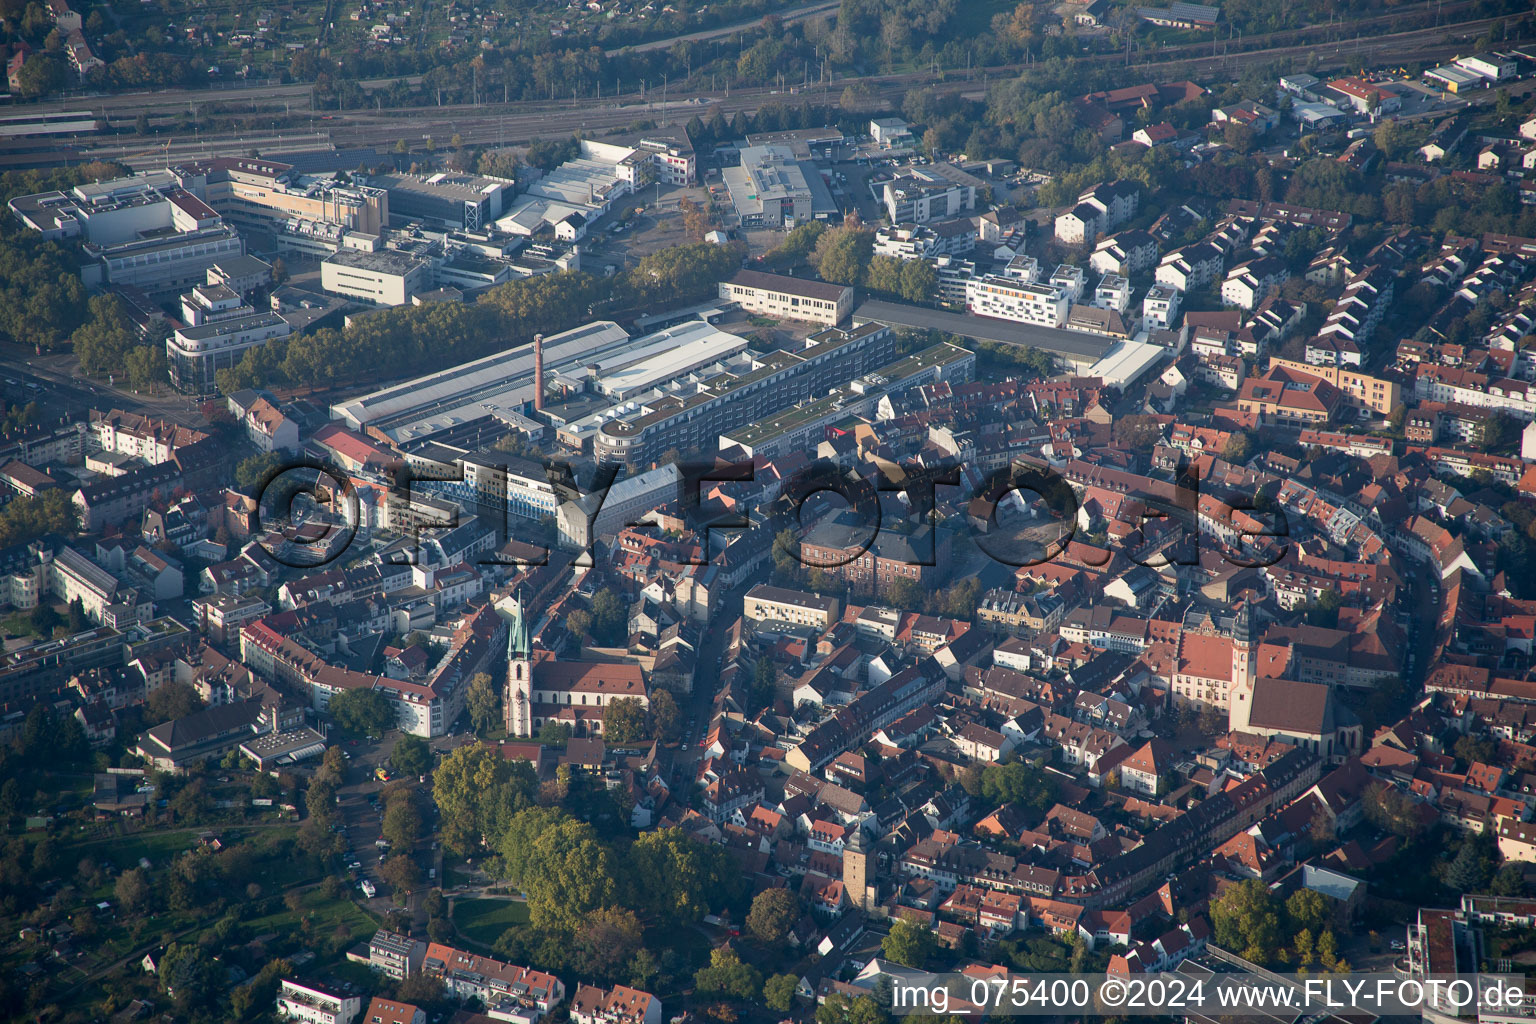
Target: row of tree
{"points": [[405, 338]]}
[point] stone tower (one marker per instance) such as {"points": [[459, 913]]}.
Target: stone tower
{"points": [[856, 854]]}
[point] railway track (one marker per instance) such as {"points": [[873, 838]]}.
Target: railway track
{"points": [[523, 121]]}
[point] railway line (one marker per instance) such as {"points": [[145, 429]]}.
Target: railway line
{"points": [[519, 122]]}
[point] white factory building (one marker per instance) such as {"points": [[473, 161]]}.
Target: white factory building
{"points": [[498, 384]]}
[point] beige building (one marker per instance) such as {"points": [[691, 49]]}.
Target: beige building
{"points": [[796, 607], [1360, 390], [789, 298], [384, 278]]}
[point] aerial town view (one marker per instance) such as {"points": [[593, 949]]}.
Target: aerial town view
{"points": [[767, 511]]}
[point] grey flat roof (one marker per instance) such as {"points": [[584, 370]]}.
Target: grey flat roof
{"points": [[1051, 339]]}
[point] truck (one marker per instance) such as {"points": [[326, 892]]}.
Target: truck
{"points": [[369, 889]]}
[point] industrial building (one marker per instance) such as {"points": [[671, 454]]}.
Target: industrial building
{"points": [[789, 298], [499, 386], [445, 199], [804, 426], [384, 278], [567, 199], [772, 188], [281, 210], [596, 514], [690, 414], [144, 230]]}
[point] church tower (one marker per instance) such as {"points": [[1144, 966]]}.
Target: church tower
{"points": [[1245, 668], [856, 855], [518, 698]]}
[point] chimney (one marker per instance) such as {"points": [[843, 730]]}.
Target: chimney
{"points": [[538, 372]]}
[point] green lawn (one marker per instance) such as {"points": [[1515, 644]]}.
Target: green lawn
{"points": [[481, 922], [325, 915]]}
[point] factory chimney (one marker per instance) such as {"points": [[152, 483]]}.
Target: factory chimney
{"points": [[538, 372]]}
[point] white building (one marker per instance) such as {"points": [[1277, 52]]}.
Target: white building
{"points": [[953, 275], [1102, 208], [1492, 66], [1192, 267], [890, 132], [1160, 307], [1071, 280], [919, 199], [764, 603], [1125, 253], [1010, 299], [384, 278], [789, 298], [195, 354], [1113, 292], [1248, 283], [297, 1001]]}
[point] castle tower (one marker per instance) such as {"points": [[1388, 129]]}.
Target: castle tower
{"points": [[1245, 668], [856, 869], [518, 698]]}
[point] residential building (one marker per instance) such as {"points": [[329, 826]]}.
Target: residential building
{"points": [[315, 1005], [1009, 299], [618, 1005], [764, 603]]}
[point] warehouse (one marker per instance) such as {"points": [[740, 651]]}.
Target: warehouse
{"points": [[496, 384]]}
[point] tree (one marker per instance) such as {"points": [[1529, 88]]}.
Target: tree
{"points": [[786, 552], [560, 865], [477, 792], [1305, 950], [675, 879], [1246, 920], [1389, 808], [624, 720], [188, 975], [553, 733], [839, 1009], [666, 717], [842, 254], [170, 701], [253, 472], [1328, 950], [483, 701], [362, 712], [909, 944], [1238, 447], [401, 874], [726, 975], [411, 756], [402, 822], [610, 620], [1138, 433], [774, 912], [146, 367], [132, 890], [1308, 910], [607, 939], [779, 992], [40, 75], [1510, 881], [1471, 869]]}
